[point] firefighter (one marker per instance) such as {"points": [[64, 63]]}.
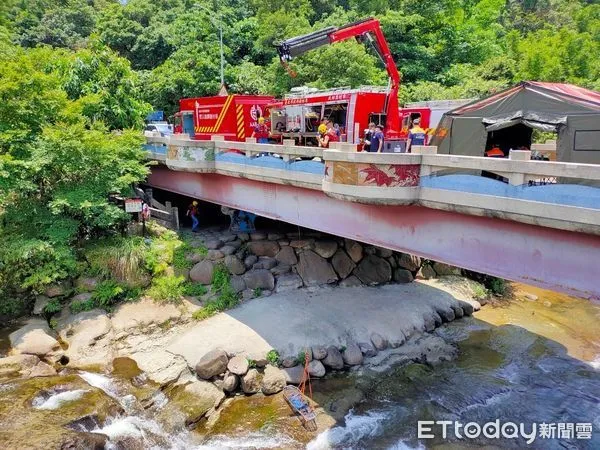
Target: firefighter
{"points": [[331, 132], [417, 135], [261, 132], [324, 136], [377, 140], [192, 213]]}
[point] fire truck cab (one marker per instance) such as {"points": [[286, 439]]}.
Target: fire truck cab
{"points": [[301, 112], [231, 116]]}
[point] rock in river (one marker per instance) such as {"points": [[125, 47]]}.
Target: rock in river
{"points": [[334, 358], [238, 365], [211, 364], [273, 381]]}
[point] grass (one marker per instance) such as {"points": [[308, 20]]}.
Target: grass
{"points": [[479, 291], [167, 289], [226, 298], [194, 289], [257, 292], [119, 258], [106, 296]]}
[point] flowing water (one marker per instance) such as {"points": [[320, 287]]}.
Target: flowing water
{"points": [[531, 360]]}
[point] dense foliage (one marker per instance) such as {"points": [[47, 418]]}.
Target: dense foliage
{"points": [[77, 75], [444, 49]]}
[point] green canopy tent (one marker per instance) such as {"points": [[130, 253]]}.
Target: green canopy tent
{"points": [[508, 118]]}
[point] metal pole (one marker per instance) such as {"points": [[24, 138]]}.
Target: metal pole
{"points": [[222, 60]]}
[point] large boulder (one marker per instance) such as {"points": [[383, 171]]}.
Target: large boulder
{"points": [[259, 279], [302, 243], [403, 276], [228, 250], [351, 281], [367, 349], [234, 265], [265, 262], [383, 252], [214, 255], [142, 314], [212, 363], [230, 382], [325, 249], [378, 341], [257, 236], [213, 244], [40, 303], [314, 269], [293, 375], [202, 272], [273, 381], [427, 272], [319, 352], [287, 255], [263, 248], [342, 263], [334, 358], [89, 337], [444, 269], [56, 290], [42, 369], [288, 282], [281, 269], [373, 270], [238, 365], [316, 368], [251, 382], [409, 262], [354, 250], [196, 399], [16, 365], [250, 260], [352, 355], [34, 338], [237, 284]]}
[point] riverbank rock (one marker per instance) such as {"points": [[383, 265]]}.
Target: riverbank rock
{"points": [[257, 236], [403, 276], [319, 352], [15, 365], [214, 255], [378, 341], [213, 244], [316, 368], [40, 303], [237, 284], [288, 282], [293, 375], [42, 369], [315, 270], [352, 355], [281, 269], [287, 256], [351, 281], [273, 381], [263, 248], [259, 279], [230, 382], [228, 249], [202, 272], [367, 349], [334, 358], [251, 382], [342, 263], [265, 262], [196, 399], [89, 337], [238, 365], [34, 338], [250, 261], [211, 364], [56, 290], [325, 249], [354, 250], [234, 265], [143, 314], [302, 243], [427, 272], [442, 269], [409, 262], [373, 270]]}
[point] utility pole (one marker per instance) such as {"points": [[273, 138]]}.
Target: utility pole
{"points": [[219, 26]]}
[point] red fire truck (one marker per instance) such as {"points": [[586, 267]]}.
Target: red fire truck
{"points": [[232, 116]]}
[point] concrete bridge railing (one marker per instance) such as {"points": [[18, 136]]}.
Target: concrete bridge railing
{"points": [[552, 194]]}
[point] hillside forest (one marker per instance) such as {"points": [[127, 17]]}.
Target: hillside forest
{"points": [[77, 78]]}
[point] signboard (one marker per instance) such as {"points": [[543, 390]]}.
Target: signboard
{"points": [[133, 205]]}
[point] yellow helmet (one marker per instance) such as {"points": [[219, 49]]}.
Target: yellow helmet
{"points": [[195, 203], [261, 120], [322, 128]]}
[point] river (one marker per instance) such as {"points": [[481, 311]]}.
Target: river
{"points": [[533, 359]]}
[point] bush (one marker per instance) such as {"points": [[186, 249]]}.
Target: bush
{"points": [[194, 289], [122, 259], [226, 298], [108, 293], [52, 307], [274, 358], [168, 289]]}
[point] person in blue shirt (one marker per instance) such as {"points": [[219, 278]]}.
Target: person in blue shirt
{"points": [[417, 135], [377, 140]]}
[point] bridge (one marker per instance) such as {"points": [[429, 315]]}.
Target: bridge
{"points": [[536, 222]]}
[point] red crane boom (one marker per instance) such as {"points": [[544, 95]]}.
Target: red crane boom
{"points": [[365, 31]]}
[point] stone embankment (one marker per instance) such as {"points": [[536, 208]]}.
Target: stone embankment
{"points": [[261, 345]]}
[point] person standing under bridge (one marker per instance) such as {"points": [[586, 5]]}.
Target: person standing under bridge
{"points": [[192, 212]]}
